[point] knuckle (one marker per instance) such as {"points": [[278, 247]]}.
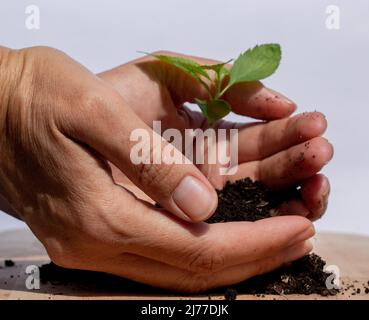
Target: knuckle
{"points": [[150, 174], [207, 261]]}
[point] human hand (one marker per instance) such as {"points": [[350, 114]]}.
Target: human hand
{"points": [[281, 152], [59, 126]]}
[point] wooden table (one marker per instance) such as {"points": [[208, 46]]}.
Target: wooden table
{"points": [[349, 252]]}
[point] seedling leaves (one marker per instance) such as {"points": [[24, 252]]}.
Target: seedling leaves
{"points": [[256, 64], [214, 110], [188, 66]]}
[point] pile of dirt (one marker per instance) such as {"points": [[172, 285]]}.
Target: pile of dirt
{"points": [[247, 200], [303, 276]]}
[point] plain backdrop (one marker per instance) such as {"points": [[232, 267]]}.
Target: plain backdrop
{"points": [[322, 69]]}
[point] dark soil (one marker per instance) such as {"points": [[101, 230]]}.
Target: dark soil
{"points": [[303, 276], [246, 200], [92, 280], [243, 200], [9, 263]]}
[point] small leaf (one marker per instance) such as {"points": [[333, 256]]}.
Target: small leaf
{"points": [[218, 68], [256, 64], [214, 110], [190, 67], [221, 72]]}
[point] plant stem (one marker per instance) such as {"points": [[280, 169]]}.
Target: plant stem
{"points": [[217, 84], [224, 90]]}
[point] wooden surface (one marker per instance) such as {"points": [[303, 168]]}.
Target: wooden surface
{"points": [[348, 252]]}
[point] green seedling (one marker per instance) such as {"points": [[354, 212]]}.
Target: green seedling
{"points": [[252, 65]]}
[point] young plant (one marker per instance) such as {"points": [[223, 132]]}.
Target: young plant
{"points": [[252, 65]]}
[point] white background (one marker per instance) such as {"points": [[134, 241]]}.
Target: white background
{"points": [[325, 70]]}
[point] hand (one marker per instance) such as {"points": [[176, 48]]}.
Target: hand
{"points": [[281, 152], [59, 126]]}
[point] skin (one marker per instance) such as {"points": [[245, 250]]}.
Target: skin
{"points": [[64, 171]]}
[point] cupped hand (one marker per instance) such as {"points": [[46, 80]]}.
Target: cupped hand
{"points": [[61, 126], [281, 151]]}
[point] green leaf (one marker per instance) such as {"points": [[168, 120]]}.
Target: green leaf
{"points": [[256, 64], [214, 110], [219, 69], [221, 72], [190, 67]]}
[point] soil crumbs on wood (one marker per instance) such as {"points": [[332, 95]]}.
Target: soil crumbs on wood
{"points": [[244, 200], [9, 263]]}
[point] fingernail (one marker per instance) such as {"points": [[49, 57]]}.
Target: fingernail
{"points": [[194, 198], [306, 234]]}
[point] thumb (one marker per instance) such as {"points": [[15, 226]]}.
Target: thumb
{"points": [[148, 160]]}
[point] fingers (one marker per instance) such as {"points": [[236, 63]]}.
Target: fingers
{"points": [[248, 99], [151, 272], [262, 140], [264, 238], [295, 164], [200, 247], [242, 272], [254, 100], [155, 166], [314, 199], [293, 207], [315, 192]]}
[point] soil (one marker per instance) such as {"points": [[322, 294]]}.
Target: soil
{"points": [[303, 276], [247, 200], [92, 280], [9, 263], [244, 200]]}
